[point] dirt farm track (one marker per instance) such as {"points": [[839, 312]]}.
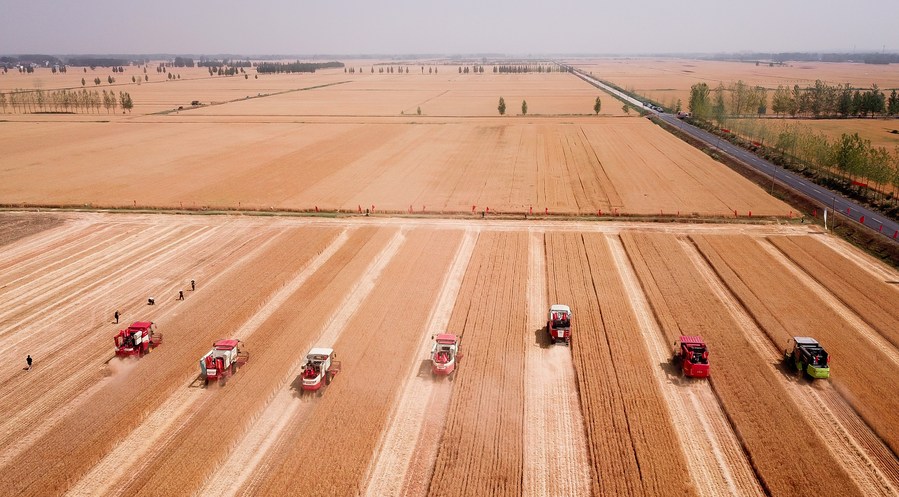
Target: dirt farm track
{"points": [[608, 415]]}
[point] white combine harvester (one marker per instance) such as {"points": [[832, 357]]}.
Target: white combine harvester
{"points": [[320, 368]]}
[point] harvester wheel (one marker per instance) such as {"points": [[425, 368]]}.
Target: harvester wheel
{"points": [[206, 381], [552, 340]]}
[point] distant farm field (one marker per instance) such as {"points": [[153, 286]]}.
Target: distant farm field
{"points": [[339, 141]]}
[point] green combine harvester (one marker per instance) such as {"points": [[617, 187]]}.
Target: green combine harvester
{"points": [[807, 356]]}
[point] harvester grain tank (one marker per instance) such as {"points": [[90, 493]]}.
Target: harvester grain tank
{"points": [[138, 339], [320, 368], [445, 354], [222, 361], [692, 356], [808, 357], [558, 324]]}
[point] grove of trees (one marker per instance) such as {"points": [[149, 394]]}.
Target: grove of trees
{"points": [[69, 101], [292, 67]]}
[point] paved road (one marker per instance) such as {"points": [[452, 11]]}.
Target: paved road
{"points": [[832, 201]]}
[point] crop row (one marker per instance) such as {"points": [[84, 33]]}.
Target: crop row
{"points": [[79, 440], [784, 307], [70, 374], [279, 342], [861, 291], [331, 451], [786, 452], [633, 447], [481, 449]]}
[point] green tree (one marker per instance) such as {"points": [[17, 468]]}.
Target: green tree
{"points": [[97, 80], [125, 100], [678, 106], [626, 108], [502, 106], [597, 106], [718, 110], [893, 104], [699, 100], [524, 107], [418, 110]]}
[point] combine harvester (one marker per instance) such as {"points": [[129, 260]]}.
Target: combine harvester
{"points": [[222, 361], [691, 356], [139, 339], [808, 357], [558, 324], [320, 369], [444, 355]]}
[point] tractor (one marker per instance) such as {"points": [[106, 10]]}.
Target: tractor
{"points": [[139, 339], [691, 356], [320, 368], [558, 324], [222, 361], [807, 356], [445, 354]]}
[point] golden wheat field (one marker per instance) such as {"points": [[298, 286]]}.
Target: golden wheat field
{"points": [[611, 414]]}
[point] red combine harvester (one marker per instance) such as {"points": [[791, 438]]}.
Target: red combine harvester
{"points": [[320, 368], [222, 361], [692, 356], [558, 324], [444, 354], [137, 340]]}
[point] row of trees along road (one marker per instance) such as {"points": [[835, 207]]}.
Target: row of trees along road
{"points": [[820, 100], [848, 164], [74, 101]]}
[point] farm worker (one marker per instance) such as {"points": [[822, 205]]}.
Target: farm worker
{"points": [[29, 361], [116, 317], [193, 285], [180, 294]]}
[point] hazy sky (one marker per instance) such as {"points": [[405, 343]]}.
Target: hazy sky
{"points": [[450, 26]]}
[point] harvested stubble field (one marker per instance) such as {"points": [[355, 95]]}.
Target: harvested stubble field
{"points": [[375, 289]]}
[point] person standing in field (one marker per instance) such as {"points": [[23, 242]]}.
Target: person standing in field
{"points": [[193, 285], [29, 361], [180, 294], [116, 315]]}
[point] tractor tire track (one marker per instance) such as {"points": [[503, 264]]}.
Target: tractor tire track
{"points": [[555, 449], [390, 470]]}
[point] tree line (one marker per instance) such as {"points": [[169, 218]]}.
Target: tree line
{"points": [[817, 101], [292, 67], [69, 101], [526, 69]]}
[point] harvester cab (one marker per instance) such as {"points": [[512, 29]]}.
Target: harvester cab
{"points": [[137, 340], [558, 324], [692, 355], [320, 368], [445, 354], [222, 361], [808, 357]]}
